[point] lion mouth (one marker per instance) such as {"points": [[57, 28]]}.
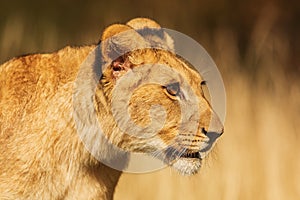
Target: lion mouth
{"points": [[191, 155], [186, 162], [174, 154]]}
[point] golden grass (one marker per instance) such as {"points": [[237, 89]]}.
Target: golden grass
{"points": [[258, 157]]}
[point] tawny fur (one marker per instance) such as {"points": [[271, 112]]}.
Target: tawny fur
{"points": [[42, 156]]}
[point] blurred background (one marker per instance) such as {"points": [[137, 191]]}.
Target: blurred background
{"points": [[256, 46]]}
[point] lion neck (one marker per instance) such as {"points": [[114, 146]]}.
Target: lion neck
{"points": [[96, 133]]}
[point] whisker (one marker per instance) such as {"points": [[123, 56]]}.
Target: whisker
{"points": [[164, 153]]}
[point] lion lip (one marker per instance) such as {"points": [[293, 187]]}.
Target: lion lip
{"points": [[174, 154], [191, 155]]}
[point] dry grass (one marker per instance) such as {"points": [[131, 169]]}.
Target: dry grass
{"points": [[257, 157]]}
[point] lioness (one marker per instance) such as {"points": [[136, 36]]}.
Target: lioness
{"points": [[42, 152]]}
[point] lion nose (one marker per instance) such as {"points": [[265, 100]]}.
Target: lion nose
{"points": [[215, 125], [205, 132]]}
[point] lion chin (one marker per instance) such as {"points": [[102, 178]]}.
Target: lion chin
{"points": [[186, 163], [187, 166]]}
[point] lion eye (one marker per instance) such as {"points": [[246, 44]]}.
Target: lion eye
{"points": [[205, 91], [173, 89]]}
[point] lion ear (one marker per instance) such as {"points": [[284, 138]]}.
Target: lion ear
{"points": [[154, 34], [119, 39], [141, 23]]}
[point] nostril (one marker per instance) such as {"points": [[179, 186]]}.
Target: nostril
{"points": [[204, 131], [222, 131]]}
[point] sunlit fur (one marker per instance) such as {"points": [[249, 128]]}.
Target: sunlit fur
{"points": [[42, 156]]}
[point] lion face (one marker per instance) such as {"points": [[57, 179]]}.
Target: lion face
{"points": [[155, 102]]}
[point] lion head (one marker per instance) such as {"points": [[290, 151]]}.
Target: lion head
{"points": [[150, 100]]}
